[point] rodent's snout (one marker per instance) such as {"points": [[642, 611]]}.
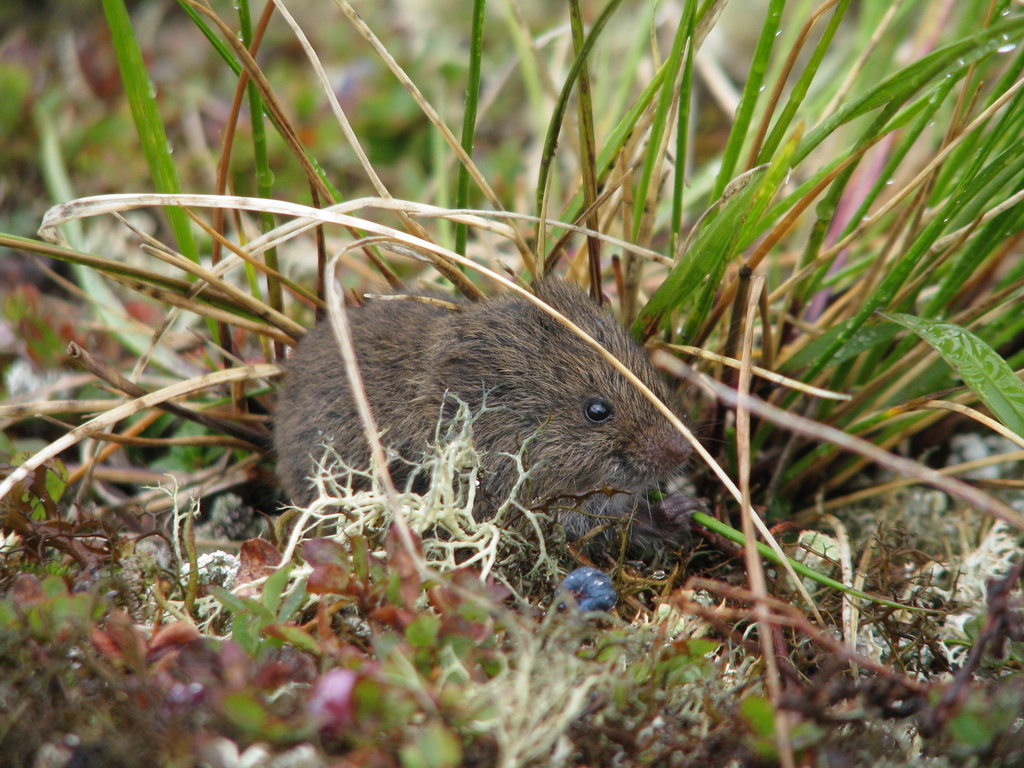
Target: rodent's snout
{"points": [[668, 449]]}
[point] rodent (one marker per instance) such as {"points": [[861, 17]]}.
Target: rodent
{"points": [[586, 427]]}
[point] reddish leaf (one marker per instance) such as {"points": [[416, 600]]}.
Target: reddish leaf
{"points": [[391, 616], [330, 705], [27, 590], [328, 579], [323, 551], [105, 644], [283, 666], [120, 631], [258, 558], [234, 665], [394, 543], [179, 633]]}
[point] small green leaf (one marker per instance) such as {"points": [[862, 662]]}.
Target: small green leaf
{"points": [[974, 361], [296, 636], [245, 712], [273, 588], [54, 586], [432, 747], [241, 606], [56, 480], [292, 602], [759, 715], [228, 600], [697, 648], [246, 630], [422, 632], [971, 729], [679, 669]]}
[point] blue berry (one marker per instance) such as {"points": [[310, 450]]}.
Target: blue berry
{"points": [[590, 588]]}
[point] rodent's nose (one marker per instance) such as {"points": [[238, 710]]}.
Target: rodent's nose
{"points": [[669, 449], [677, 450]]}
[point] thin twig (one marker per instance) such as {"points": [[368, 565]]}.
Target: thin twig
{"points": [[103, 371]]}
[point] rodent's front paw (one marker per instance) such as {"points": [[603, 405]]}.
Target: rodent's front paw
{"points": [[671, 515], [676, 508]]}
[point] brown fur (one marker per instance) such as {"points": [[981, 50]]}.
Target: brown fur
{"points": [[535, 377]]}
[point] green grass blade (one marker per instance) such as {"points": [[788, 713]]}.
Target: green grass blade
{"points": [[964, 266], [829, 205], [588, 160], [952, 60], [688, 23], [617, 140], [476, 47], [629, 67], [141, 97], [1011, 225], [927, 109], [803, 84], [973, 151], [264, 174], [682, 42], [717, 526], [865, 338], [211, 37], [704, 261], [558, 116], [899, 272], [741, 128], [236, 67]]}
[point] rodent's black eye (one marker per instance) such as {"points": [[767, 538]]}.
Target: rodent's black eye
{"points": [[597, 410]]}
